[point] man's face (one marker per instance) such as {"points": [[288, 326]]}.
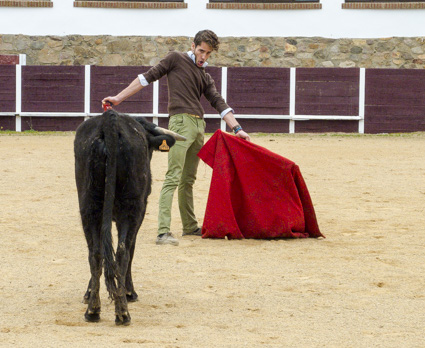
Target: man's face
{"points": [[202, 53]]}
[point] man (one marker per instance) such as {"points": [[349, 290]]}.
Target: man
{"points": [[187, 81]]}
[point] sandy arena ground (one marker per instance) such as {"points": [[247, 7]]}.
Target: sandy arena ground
{"points": [[362, 286]]}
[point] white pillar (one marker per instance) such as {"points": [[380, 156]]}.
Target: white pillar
{"points": [[18, 105], [223, 93], [23, 59], [292, 89], [87, 82], [155, 106], [362, 93]]}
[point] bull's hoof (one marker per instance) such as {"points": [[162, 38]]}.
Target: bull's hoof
{"points": [[132, 297], [92, 317], [123, 319]]}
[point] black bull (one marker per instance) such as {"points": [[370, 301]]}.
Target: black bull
{"points": [[113, 175]]}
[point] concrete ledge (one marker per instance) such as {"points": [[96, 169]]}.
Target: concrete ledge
{"points": [[383, 5], [130, 5], [263, 6], [22, 3]]}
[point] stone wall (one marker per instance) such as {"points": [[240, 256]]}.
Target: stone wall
{"points": [[395, 52]]}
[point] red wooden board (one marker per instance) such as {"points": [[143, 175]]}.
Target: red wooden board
{"points": [[258, 90], [7, 123], [323, 91], [6, 59], [110, 80], [7, 88], [51, 123], [324, 126], [395, 101], [53, 88]]}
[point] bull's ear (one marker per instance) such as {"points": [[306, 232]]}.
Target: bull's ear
{"points": [[161, 142], [164, 147]]}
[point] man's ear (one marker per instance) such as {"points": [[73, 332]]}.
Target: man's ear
{"points": [[193, 47]]}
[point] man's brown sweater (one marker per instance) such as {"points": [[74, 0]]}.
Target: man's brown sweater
{"points": [[186, 84]]}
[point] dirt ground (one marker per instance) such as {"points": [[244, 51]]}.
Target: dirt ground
{"points": [[362, 286]]}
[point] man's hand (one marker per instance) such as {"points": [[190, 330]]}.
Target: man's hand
{"points": [[229, 118], [242, 134], [112, 100]]}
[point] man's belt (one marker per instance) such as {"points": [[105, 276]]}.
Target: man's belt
{"points": [[196, 116]]}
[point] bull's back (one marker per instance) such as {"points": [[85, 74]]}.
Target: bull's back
{"points": [[132, 152]]}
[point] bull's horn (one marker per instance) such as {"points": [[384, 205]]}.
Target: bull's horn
{"points": [[173, 134]]}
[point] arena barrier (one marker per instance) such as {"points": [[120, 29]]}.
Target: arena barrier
{"points": [[270, 100]]}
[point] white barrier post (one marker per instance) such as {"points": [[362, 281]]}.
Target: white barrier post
{"points": [[292, 88], [155, 106], [23, 59], [18, 105], [223, 94], [87, 82], [362, 92]]}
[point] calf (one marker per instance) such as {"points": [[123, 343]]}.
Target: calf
{"points": [[113, 176]]}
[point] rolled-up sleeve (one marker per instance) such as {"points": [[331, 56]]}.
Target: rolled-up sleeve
{"points": [[225, 112], [143, 80]]}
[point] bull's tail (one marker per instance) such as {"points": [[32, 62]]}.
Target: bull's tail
{"points": [[111, 144]]}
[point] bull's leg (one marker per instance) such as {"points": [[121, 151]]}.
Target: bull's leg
{"points": [[131, 237], [93, 310], [88, 292], [127, 226], [131, 293], [92, 297], [122, 316]]}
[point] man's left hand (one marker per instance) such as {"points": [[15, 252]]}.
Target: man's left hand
{"points": [[242, 134]]}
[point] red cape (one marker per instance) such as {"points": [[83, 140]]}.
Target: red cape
{"points": [[254, 193]]}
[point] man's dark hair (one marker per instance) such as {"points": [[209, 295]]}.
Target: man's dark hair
{"points": [[207, 36]]}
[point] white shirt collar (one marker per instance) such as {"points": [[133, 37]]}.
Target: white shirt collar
{"points": [[192, 56]]}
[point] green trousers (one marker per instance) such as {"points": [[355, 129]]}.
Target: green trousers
{"points": [[182, 168]]}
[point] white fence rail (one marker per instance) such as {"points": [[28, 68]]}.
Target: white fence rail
{"points": [[292, 117]]}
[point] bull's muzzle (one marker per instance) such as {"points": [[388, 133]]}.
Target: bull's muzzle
{"points": [[173, 134]]}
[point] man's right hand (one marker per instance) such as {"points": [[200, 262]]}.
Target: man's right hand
{"points": [[112, 100]]}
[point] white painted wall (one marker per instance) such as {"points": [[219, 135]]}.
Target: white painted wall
{"points": [[330, 22]]}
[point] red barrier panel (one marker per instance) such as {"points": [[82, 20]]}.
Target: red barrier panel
{"points": [[110, 80], [395, 100], [53, 88], [7, 88]]}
